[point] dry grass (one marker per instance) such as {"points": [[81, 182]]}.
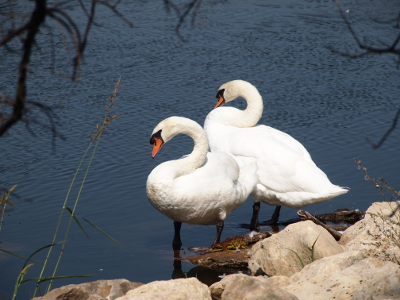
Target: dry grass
{"points": [[386, 223]]}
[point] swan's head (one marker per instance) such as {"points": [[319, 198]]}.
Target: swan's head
{"points": [[231, 90], [169, 128], [157, 141]]}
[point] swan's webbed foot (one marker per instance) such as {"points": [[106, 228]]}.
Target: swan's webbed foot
{"points": [[176, 242]]}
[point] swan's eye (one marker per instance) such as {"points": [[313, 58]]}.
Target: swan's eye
{"points": [[220, 93], [156, 135]]}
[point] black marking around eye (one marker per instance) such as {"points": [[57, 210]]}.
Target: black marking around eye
{"points": [[220, 93], [156, 135]]}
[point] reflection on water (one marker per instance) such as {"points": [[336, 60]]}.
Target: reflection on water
{"points": [[206, 275], [327, 102]]}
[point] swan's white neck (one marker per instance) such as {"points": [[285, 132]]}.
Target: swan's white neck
{"points": [[197, 157], [253, 112], [233, 116]]}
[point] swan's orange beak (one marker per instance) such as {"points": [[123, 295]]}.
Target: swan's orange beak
{"points": [[156, 146], [220, 102]]}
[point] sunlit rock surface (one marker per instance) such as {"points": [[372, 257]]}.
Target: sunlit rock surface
{"points": [[281, 253]]}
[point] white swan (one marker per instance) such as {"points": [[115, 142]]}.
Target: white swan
{"points": [[201, 188], [287, 174]]}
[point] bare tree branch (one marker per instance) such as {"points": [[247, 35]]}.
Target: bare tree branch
{"points": [[392, 48], [37, 20], [38, 17], [368, 49]]}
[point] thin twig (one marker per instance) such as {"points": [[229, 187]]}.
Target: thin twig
{"points": [[380, 143], [14, 33], [114, 9]]}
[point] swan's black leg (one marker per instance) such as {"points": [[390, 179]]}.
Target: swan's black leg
{"points": [[176, 243], [275, 216], [254, 225], [220, 227]]}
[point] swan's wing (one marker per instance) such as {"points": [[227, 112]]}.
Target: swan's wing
{"points": [[215, 178], [285, 168], [264, 141], [218, 186]]}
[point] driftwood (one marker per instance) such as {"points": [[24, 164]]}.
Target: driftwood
{"points": [[306, 216], [342, 215]]}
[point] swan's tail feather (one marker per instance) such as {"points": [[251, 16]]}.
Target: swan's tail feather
{"points": [[338, 190], [298, 200]]}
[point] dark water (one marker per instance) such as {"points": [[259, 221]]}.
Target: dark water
{"points": [[329, 103]]}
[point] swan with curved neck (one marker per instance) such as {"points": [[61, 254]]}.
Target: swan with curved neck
{"points": [[201, 188], [287, 175]]}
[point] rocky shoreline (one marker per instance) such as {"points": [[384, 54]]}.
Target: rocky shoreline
{"points": [[303, 261]]}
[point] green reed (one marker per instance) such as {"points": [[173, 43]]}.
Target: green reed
{"points": [[93, 144]]}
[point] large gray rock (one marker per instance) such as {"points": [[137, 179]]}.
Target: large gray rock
{"points": [[378, 234], [244, 287], [351, 278], [95, 290], [176, 289], [275, 255]]}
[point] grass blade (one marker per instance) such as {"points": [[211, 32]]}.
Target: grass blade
{"points": [[312, 249], [43, 279], [20, 256], [38, 250], [77, 221], [299, 258], [103, 232], [19, 279]]}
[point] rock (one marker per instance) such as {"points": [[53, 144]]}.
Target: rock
{"points": [[176, 289], [100, 289], [388, 287], [278, 280], [378, 235], [244, 287], [328, 265], [352, 278], [218, 288], [275, 256]]}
